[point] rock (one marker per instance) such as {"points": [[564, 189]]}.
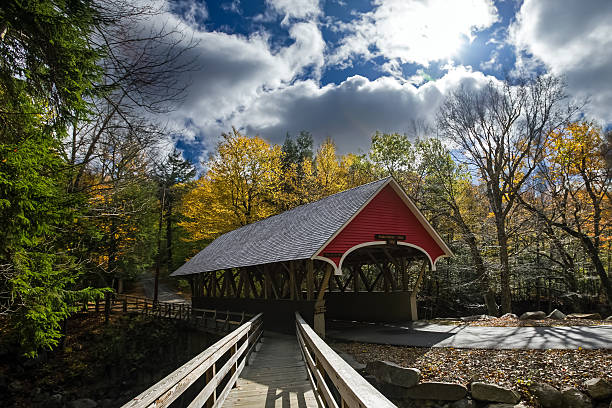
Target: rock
{"points": [[598, 388], [557, 315], [15, 386], [436, 391], [56, 400], [463, 403], [539, 315], [476, 318], [494, 393], [502, 405], [83, 403], [509, 316], [356, 365], [106, 403], [589, 316], [394, 374], [572, 398], [546, 395]]}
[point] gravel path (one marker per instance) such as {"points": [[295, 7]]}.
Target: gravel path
{"points": [[419, 334]]}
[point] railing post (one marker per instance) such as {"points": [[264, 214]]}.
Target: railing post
{"points": [[97, 304], [125, 305]]}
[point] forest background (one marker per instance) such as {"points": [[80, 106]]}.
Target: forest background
{"points": [[92, 196]]}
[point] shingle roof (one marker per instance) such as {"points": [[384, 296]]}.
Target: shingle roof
{"points": [[295, 234]]}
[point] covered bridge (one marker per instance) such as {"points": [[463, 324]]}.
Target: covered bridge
{"points": [[359, 254]]}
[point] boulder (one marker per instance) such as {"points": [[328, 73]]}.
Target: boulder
{"points": [[502, 405], [83, 403], [598, 388], [350, 360], [391, 373], [494, 393], [589, 316], [475, 318], [436, 391], [573, 398], [557, 315], [546, 395], [608, 319], [509, 316], [463, 403], [539, 315]]}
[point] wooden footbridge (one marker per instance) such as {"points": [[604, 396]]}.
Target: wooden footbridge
{"points": [[360, 254], [250, 368]]}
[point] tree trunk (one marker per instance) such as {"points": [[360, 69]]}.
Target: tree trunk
{"points": [[159, 254], [593, 253], [502, 240], [487, 291], [169, 237]]}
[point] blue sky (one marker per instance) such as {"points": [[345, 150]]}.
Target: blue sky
{"points": [[344, 69]]}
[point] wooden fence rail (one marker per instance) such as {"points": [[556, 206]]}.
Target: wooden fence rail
{"points": [[207, 318], [231, 352], [335, 383]]}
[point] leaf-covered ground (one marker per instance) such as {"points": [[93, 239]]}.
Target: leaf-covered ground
{"points": [[512, 368], [513, 322]]}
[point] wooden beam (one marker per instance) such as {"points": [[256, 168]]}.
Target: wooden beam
{"points": [[355, 274], [309, 279], [415, 290], [292, 288], [319, 312]]}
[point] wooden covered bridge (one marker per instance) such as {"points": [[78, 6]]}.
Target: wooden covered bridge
{"points": [[358, 255]]}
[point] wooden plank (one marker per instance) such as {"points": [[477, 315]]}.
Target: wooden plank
{"points": [[309, 279], [354, 389]]}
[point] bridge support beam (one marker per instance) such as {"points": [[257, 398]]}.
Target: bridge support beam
{"points": [[319, 312]]}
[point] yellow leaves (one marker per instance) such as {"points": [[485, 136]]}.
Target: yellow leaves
{"points": [[242, 185]]}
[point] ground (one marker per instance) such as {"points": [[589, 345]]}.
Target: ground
{"points": [[98, 361], [510, 322], [512, 368]]}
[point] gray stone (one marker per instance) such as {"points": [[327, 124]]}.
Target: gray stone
{"points": [[391, 373], [494, 393], [356, 365], [598, 388], [539, 315], [503, 405], [475, 318], [56, 400], [463, 403], [557, 315], [436, 391], [608, 319], [546, 395], [83, 403], [572, 398], [509, 316], [589, 316]]}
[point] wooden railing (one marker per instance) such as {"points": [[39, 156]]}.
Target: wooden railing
{"points": [[335, 383], [204, 318], [233, 353]]}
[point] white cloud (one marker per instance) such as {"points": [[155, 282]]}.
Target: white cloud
{"points": [[573, 39], [351, 111], [298, 9], [416, 31]]}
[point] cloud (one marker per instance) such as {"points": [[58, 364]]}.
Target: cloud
{"points": [[297, 9], [572, 39], [413, 31], [193, 12], [351, 111]]}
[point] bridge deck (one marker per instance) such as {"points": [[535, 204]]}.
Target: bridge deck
{"points": [[276, 378]]}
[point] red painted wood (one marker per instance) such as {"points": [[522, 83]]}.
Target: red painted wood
{"points": [[385, 214]]}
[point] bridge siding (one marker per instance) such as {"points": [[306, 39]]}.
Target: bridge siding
{"points": [[276, 378]]}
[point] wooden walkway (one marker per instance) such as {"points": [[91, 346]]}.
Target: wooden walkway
{"points": [[276, 377]]}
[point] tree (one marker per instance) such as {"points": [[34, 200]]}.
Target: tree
{"points": [[170, 175], [571, 193], [241, 186], [501, 131], [449, 193]]}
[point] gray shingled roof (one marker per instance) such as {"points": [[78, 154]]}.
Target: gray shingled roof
{"points": [[295, 234]]}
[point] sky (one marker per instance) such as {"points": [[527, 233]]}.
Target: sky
{"points": [[345, 69]]}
